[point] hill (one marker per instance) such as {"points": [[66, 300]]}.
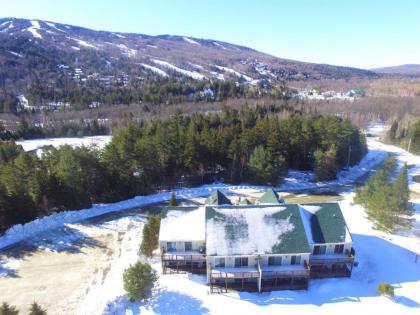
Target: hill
{"points": [[408, 69], [37, 56]]}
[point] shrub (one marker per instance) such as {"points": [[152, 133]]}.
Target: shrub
{"points": [[139, 280], [6, 309], [36, 309], [385, 289]]}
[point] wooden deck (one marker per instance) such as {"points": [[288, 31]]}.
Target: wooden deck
{"points": [[181, 263], [259, 280]]}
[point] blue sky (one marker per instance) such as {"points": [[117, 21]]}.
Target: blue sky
{"points": [[366, 34]]}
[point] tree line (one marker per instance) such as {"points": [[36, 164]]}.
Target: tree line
{"points": [[235, 146], [405, 135], [387, 200]]}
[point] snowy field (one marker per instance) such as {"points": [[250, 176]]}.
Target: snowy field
{"points": [[36, 144], [102, 247]]}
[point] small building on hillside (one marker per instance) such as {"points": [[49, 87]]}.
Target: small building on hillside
{"points": [[266, 246]]}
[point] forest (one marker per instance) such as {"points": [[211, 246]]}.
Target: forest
{"points": [[250, 145], [405, 134]]}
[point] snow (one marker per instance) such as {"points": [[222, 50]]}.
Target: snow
{"points": [[189, 40], [238, 74], [381, 258], [306, 215], [191, 74], [15, 54], [254, 231], [219, 45], [195, 220], [24, 231], [118, 35], [33, 29], [54, 27], [155, 70], [35, 144], [82, 42], [75, 48]]}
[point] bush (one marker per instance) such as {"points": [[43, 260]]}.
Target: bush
{"points": [[6, 309], [36, 310], [150, 236], [139, 280], [385, 289]]}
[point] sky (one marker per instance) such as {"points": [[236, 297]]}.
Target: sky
{"points": [[357, 33]]}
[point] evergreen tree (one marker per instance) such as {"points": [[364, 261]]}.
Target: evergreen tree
{"points": [[325, 164], [173, 202], [401, 196], [6, 309], [150, 239], [139, 280], [265, 168], [36, 309], [386, 203]]}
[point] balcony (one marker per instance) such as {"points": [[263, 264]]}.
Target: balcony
{"points": [[176, 262], [345, 258]]}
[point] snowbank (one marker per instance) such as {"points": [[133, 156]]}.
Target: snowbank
{"points": [[20, 232]]}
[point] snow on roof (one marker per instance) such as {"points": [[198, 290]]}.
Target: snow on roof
{"points": [[191, 74], [155, 70], [249, 230], [324, 223], [183, 225]]}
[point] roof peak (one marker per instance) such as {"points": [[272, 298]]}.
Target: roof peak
{"points": [[218, 198]]}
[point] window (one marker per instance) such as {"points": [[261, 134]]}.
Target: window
{"points": [[219, 262], [171, 246], [295, 260], [241, 262], [320, 249], [338, 249], [274, 260], [188, 246]]}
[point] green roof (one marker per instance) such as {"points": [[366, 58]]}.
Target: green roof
{"points": [[217, 198], [245, 201], [326, 223], [271, 197], [261, 229]]}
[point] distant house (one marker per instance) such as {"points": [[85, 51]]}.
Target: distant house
{"points": [[256, 247]]}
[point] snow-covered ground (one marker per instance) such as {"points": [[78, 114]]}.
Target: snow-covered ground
{"points": [[381, 257], [99, 141]]}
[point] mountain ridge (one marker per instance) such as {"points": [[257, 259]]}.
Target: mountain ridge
{"points": [[218, 59]]}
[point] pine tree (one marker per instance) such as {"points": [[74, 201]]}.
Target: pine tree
{"points": [[173, 202], [139, 280], [36, 310], [150, 239], [6, 309], [403, 209]]}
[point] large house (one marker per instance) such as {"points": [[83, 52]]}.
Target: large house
{"points": [[266, 246]]}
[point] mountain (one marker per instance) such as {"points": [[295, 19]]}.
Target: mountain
{"points": [[60, 45], [408, 69]]}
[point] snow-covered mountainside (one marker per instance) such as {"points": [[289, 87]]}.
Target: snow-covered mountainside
{"points": [[27, 45]]}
